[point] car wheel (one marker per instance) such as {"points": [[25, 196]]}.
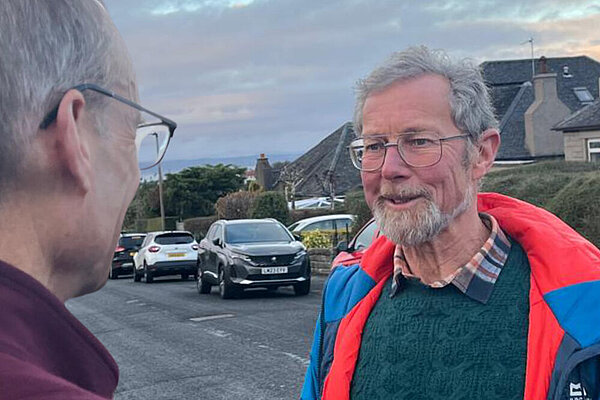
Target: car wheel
{"points": [[112, 274], [147, 274], [202, 286], [302, 289], [136, 277], [226, 288], [184, 277]]}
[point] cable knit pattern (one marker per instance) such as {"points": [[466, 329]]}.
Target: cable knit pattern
{"points": [[427, 343]]}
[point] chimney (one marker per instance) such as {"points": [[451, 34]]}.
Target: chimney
{"points": [[545, 112], [264, 172]]}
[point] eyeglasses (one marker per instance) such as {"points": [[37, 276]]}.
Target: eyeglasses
{"points": [[153, 133], [417, 149]]}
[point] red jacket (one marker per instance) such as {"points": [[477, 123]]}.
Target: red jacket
{"points": [[563, 354]]}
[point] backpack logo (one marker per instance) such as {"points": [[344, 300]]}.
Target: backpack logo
{"points": [[577, 392]]}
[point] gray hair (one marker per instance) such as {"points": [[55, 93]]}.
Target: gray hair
{"points": [[470, 103], [46, 48]]}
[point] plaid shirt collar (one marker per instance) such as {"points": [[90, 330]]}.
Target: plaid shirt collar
{"points": [[476, 278]]}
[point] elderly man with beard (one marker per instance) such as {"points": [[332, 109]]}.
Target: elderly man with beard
{"points": [[465, 295]]}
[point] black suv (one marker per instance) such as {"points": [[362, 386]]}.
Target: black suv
{"points": [[122, 263], [247, 253]]}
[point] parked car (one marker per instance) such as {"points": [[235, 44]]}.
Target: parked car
{"points": [[249, 253], [122, 262], [166, 253], [348, 253], [334, 222]]}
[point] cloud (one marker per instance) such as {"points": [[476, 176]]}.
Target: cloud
{"points": [[276, 76]]}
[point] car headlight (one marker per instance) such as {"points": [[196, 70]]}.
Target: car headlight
{"points": [[299, 255], [242, 257]]}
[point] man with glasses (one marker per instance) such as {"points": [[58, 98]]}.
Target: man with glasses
{"points": [[71, 137], [465, 295]]}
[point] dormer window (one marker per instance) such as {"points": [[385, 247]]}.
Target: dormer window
{"points": [[583, 95], [566, 72]]}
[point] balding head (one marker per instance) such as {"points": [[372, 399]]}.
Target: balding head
{"points": [[48, 47]]}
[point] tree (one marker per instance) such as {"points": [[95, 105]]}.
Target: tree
{"points": [[236, 205], [291, 177], [194, 191], [145, 204]]}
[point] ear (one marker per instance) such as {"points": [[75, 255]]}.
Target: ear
{"points": [[71, 147], [486, 148]]}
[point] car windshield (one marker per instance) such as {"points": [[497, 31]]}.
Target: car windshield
{"points": [[174, 238], [256, 232], [131, 242]]}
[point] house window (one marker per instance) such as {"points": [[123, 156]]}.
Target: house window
{"points": [[583, 94], [594, 150]]}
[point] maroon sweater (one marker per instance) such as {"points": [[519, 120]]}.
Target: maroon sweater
{"points": [[45, 352]]}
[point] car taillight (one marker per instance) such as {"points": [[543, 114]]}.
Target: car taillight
{"points": [[154, 249], [119, 249], [195, 247]]}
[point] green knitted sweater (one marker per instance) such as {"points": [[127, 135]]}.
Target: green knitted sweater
{"points": [[426, 343]]}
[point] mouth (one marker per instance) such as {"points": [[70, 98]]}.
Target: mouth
{"points": [[400, 200]]}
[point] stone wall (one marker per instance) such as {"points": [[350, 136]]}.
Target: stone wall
{"points": [[320, 260]]}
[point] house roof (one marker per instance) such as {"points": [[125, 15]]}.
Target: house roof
{"points": [[512, 96], [587, 118], [329, 159]]}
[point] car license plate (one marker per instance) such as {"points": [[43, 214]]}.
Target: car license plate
{"points": [[275, 270], [174, 255]]}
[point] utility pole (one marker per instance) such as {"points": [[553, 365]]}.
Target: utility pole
{"points": [[160, 186]]}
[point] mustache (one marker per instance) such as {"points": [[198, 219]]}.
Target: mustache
{"points": [[388, 192]]}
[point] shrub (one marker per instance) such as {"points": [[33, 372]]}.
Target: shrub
{"points": [[236, 205], [356, 204], [570, 190], [270, 205], [316, 239], [199, 226], [578, 204]]}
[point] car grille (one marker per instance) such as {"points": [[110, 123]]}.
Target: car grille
{"points": [[273, 260]]}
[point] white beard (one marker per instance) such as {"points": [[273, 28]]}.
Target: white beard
{"points": [[414, 227]]}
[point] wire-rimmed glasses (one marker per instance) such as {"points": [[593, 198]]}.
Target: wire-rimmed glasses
{"points": [[417, 149], [153, 134]]}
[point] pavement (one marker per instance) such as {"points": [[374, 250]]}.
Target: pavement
{"points": [[172, 343]]}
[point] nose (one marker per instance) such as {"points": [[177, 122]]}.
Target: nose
{"points": [[394, 167]]}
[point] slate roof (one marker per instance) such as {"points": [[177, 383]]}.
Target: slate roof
{"points": [[328, 157], [588, 118], [511, 98]]}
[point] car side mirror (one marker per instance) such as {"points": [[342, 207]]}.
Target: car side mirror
{"points": [[217, 242], [342, 246], [297, 237]]}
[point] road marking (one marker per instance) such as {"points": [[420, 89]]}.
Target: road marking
{"points": [[217, 333], [301, 360], [211, 317], [131, 301]]}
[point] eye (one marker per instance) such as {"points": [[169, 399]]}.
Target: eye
{"points": [[420, 142], [374, 147]]}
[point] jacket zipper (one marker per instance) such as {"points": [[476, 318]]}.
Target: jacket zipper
{"points": [[321, 337], [574, 360]]}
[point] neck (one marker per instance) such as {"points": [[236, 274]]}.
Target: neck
{"points": [[28, 241], [449, 250]]}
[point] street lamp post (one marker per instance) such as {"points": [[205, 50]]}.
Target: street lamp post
{"points": [[160, 186]]}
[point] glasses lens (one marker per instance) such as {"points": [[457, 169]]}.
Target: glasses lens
{"points": [[152, 139], [420, 149]]}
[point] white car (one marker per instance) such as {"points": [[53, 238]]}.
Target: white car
{"points": [[166, 253], [334, 222]]}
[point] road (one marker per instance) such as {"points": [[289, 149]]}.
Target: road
{"points": [[172, 343]]}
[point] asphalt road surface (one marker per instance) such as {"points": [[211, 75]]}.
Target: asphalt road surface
{"points": [[172, 343]]}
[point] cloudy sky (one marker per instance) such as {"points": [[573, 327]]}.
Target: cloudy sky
{"points": [[243, 77]]}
